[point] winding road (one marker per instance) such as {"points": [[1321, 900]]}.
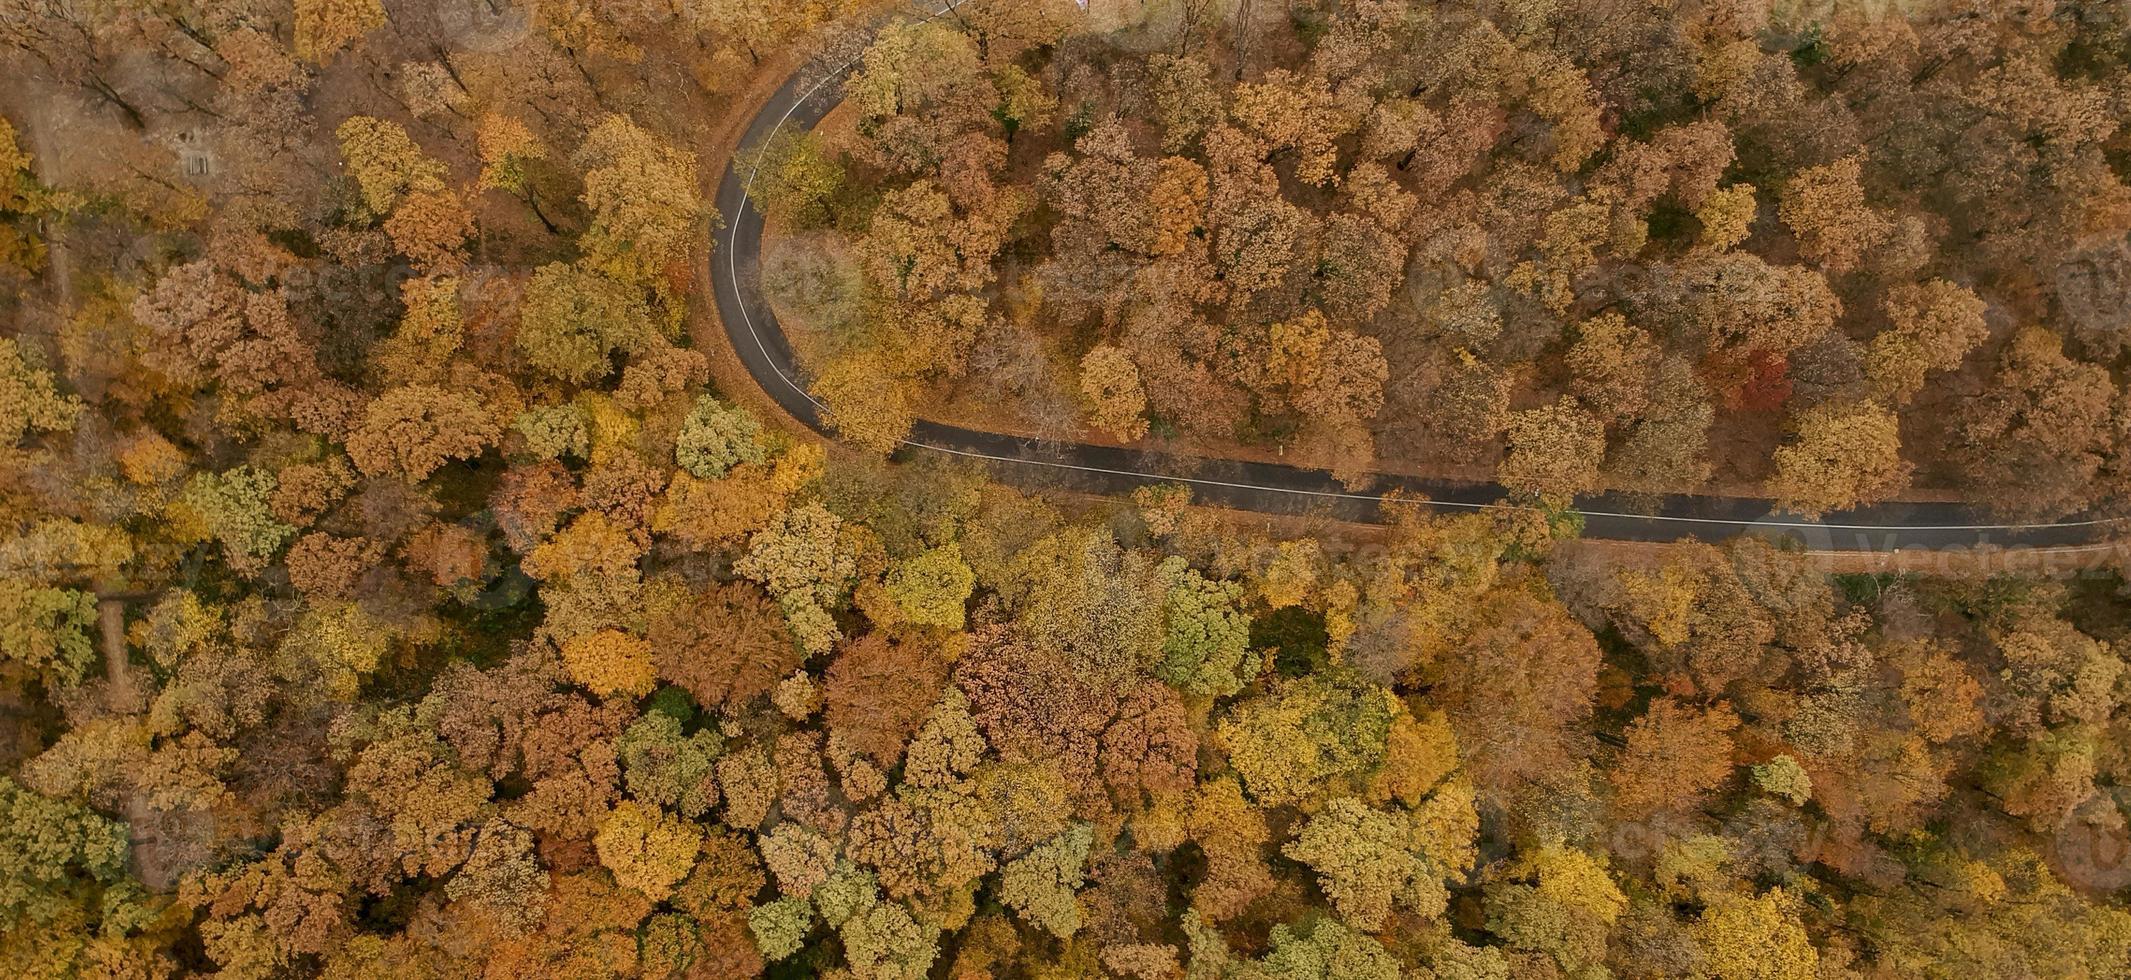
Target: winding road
{"points": [[1272, 488]]}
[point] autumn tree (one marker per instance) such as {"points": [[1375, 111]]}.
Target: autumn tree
{"points": [[1612, 362], [51, 845], [661, 766], [30, 401], [1360, 265], [502, 876], [44, 631], [1040, 885], [806, 558], [757, 26], [510, 154], [1151, 748], [431, 330], [386, 164], [1323, 948], [1727, 217], [884, 940], [322, 565], [1316, 733], [715, 437], [1554, 452], [1369, 861], [574, 320], [610, 661], [1736, 305], [880, 691], [1695, 614], [1079, 596], [1519, 723], [726, 645], [1825, 207], [1112, 384], [1843, 455], [919, 246], [1323, 372], [1557, 902], [1931, 327], [1663, 448], [325, 27], [431, 229], [410, 431], [2051, 673], [1206, 637], [1286, 110], [1105, 193], [795, 179], [22, 198], [932, 588], [1758, 935], [779, 927], [646, 211], [647, 850], [1674, 756], [232, 508], [864, 402], [2035, 439], [917, 86], [1035, 710]]}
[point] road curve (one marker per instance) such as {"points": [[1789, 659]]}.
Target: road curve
{"points": [[760, 343]]}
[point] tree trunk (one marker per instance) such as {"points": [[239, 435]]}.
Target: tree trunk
{"points": [[103, 88], [532, 200], [444, 58]]}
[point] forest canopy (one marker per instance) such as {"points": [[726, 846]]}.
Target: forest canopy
{"points": [[399, 577], [1814, 254]]}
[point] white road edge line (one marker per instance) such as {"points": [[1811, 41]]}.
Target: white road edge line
{"points": [[733, 277]]}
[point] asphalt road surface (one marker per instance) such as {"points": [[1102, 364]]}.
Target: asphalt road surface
{"points": [[1270, 487]]}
